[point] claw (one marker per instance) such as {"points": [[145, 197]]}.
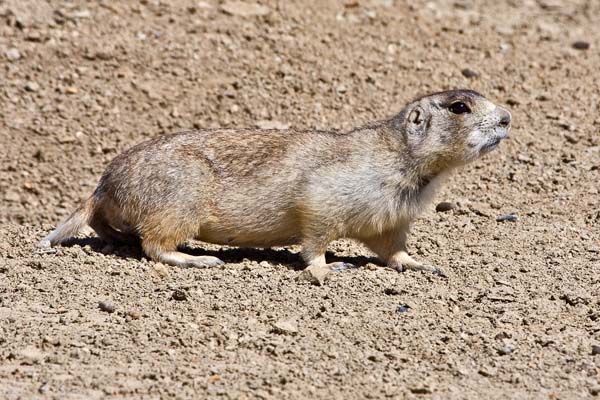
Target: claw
{"points": [[45, 251], [424, 268], [340, 266], [439, 273]]}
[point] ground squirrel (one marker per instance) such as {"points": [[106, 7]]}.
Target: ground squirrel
{"points": [[263, 188]]}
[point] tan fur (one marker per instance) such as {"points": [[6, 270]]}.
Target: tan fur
{"points": [[263, 188]]}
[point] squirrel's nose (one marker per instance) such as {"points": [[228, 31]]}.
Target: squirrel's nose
{"points": [[505, 117]]}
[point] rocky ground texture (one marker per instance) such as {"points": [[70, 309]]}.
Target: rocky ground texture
{"points": [[518, 316]]}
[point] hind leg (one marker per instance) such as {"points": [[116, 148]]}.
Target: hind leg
{"points": [[107, 233], [160, 244]]}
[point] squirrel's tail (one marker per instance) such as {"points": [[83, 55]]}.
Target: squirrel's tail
{"points": [[70, 226]]}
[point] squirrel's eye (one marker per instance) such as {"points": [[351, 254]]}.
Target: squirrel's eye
{"points": [[459, 108]]}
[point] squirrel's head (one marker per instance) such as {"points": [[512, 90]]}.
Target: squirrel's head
{"points": [[452, 128]]}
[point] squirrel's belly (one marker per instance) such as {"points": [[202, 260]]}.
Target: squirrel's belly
{"points": [[253, 234]]}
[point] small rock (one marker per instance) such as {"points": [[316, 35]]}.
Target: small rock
{"points": [[133, 314], [487, 372], [506, 349], [341, 89], [71, 90], [502, 335], [32, 87], [179, 295], [445, 206], [595, 390], [286, 326], [161, 270], [30, 355], [571, 139], [12, 54], [581, 45], [243, 9], [102, 55], [204, 4], [469, 73], [107, 306], [404, 308], [507, 218], [33, 36], [44, 388], [420, 389], [542, 97], [315, 275], [595, 350], [391, 291], [81, 14]]}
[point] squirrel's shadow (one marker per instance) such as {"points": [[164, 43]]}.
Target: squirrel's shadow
{"points": [[284, 256]]}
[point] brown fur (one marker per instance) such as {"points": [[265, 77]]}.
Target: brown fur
{"points": [[265, 188]]}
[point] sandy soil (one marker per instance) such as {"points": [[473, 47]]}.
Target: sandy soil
{"points": [[518, 316]]}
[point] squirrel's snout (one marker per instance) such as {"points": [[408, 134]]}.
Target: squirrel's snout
{"points": [[505, 117]]}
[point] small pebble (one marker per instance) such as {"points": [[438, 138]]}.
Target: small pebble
{"points": [[420, 389], [506, 349], [341, 89], [315, 275], [289, 326], [403, 309], [595, 390], [32, 87], [542, 97], [107, 306], [445, 206], [507, 218], [469, 73], [571, 139], [391, 291], [581, 45], [179, 295], [595, 350], [12, 54], [487, 372]]}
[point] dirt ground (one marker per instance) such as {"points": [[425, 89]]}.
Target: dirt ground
{"points": [[518, 316]]}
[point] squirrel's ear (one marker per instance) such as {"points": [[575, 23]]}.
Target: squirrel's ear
{"points": [[416, 122], [415, 116]]}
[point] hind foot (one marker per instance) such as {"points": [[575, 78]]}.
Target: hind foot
{"points": [[179, 259], [319, 261]]}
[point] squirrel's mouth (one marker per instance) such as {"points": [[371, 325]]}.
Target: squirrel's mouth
{"points": [[491, 144]]}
